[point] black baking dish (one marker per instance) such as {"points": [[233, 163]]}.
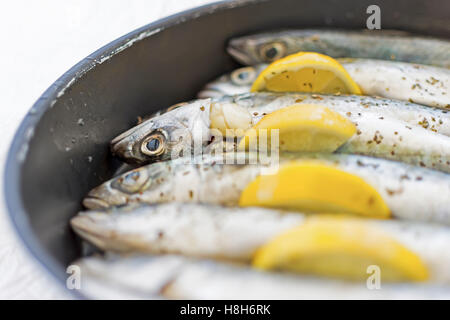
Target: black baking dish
{"points": [[61, 149]]}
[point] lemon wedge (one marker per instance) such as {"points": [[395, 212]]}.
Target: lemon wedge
{"points": [[314, 186], [340, 247], [306, 72], [303, 127]]}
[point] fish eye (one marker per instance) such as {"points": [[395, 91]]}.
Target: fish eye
{"points": [[154, 144], [243, 76], [132, 181], [272, 51]]}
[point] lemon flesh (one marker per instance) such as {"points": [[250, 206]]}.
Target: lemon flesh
{"points": [[306, 72], [302, 127], [340, 247], [313, 186]]}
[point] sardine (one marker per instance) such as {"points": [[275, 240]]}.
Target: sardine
{"points": [[386, 128], [235, 233], [177, 277], [421, 84], [184, 228], [236, 82], [383, 44], [165, 135], [410, 192]]}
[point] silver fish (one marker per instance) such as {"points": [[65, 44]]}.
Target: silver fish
{"points": [[235, 233], [421, 84], [177, 277], [184, 228], [386, 128], [166, 135], [238, 81], [383, 44], [410, 192]]}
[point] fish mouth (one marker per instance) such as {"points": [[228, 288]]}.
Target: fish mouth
{"points": [[124, 135], [124, 145], [239, 56], [89, 229], [104, 196], [83, 223], [121, 147], [93, 203]]}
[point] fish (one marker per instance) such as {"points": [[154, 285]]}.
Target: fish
{"points": [[178, 277], [165, 135], [416, 83], [236, 82], [386, 128], [235, 234], [205, 231], [379, 44], [410, 192]]}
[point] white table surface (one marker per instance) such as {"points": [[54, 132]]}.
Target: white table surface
{"points": [[40, 40]]}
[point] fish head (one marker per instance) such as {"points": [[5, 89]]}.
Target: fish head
{"points": [[165, 136], [236, 82], [127, 187], [254, 49]]}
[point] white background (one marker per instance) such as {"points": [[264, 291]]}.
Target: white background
{"points": [[40, 40]]}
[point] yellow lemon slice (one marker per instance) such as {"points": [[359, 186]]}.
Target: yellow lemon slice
{"points": [[306, 72], [302, 127], [340, 247], [313, 186]]}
